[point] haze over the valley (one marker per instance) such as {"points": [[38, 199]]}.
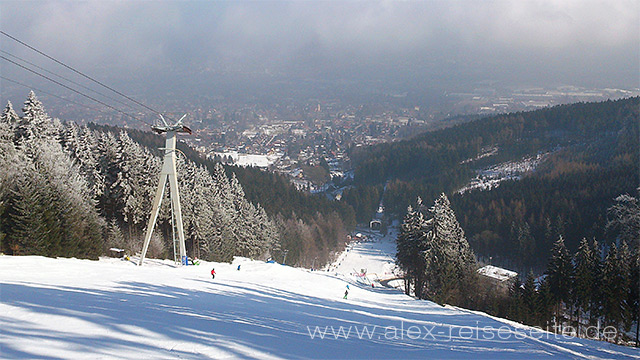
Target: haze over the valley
{"points": [[240, 47]]}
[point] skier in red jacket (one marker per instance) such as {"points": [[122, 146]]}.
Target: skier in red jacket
{"points": [[213, 273]]}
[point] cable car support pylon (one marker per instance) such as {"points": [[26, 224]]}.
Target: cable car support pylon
{"points": [[168, 173]]}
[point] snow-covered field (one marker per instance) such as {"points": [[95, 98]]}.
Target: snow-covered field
{"points": [[69, 308], [491, 177], [244, 160]]}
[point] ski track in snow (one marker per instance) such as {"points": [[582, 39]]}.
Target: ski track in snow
{"points": [[69, 308]]}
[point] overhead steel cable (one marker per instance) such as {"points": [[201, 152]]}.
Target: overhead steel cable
{"points": [[40, 91], [80, 73], [74, 90], [67, 79]]}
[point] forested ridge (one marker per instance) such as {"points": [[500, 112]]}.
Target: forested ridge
{"points": [[590, 157], [593, 293], [570, 227], [69, 190]]}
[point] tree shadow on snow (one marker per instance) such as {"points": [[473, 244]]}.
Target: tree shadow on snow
{"points": [[221, 320]]}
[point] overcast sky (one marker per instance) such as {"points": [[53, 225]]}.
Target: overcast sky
{"points": [[520, 42]]}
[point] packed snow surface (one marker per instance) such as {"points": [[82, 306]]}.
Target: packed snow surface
{"points": [[69, 308]]}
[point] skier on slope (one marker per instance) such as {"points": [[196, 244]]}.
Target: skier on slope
{"points": [[346, 292], [213, 273]]}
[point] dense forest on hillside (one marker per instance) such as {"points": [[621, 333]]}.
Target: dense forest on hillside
{"points": [[311, 227], [69, 190], [581, 293], [591, 156]]}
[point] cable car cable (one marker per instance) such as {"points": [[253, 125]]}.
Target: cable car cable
{"points": [[66, 79], [74, 90], [79, 72]]}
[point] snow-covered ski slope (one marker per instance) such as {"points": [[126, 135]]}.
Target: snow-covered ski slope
{"points": [[69, 308]]}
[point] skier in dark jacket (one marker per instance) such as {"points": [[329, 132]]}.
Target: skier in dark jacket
{"points": [[213, 273]]}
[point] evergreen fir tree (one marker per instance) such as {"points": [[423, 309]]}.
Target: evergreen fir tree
{"points": [[35, 123], [613, 291], [450, 263], [624, 219], [88, 158], [517, 310], [625, 265], [136, 179], [526, 243], [595, 297], [633, 296], [9, 116], [584, 278], [410, 247], [559, 276], [531, 300], [547, 305]]}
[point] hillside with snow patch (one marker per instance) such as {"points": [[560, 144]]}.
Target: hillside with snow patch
{"points": [[69, 308]]}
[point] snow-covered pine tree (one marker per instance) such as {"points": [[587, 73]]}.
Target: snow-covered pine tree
{"points": [[87, 154], [226, 214], [35, 122], [9, 116], [31, 225], [222, 186], [212, 246], [11, 163], [197, 201], [114, 237], [136, 176], [247, 239], [411, 245], [403, 249], [51, 212], [450, 261], [204, 227], [81, 145], [34, 117], [82, 230], [69, 138], [270, 238], [7, 156], [624, 218], [108, 165], [6, 128]]}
